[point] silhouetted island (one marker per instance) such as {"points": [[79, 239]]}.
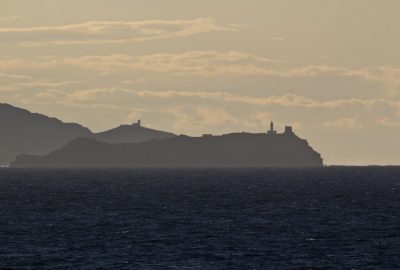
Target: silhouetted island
{"points": [[30, 133], [269, 149], [23, 132]]}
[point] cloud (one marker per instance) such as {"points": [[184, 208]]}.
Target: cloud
{"points": [[15, 76], [10, 18], [287, 100], [204, 63], [192, 62], [196, 112], [181, 70], [198, 117], [121, 95], [40, 85], [109, 32], [347, 123], [387, 122]]}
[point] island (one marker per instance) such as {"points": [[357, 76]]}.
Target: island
{"points": [[24, 132], [270, 149]]}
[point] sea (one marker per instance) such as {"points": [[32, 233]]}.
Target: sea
{"points": [[210, 218]]}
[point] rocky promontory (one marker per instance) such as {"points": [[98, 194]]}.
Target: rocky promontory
{"points": [[231, 150]]}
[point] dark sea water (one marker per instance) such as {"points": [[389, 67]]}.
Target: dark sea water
{"points": [[328, 218]]}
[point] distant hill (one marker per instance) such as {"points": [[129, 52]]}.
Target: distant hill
{"points": [[23, 132], [131, 134], [238, 149]]}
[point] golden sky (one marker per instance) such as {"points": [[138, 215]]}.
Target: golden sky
{"points": [[329, 68]]}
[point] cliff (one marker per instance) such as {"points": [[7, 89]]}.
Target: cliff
{"points": [[237, 149]]}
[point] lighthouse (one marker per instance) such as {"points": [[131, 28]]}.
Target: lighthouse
{"points": [[271, 129]]}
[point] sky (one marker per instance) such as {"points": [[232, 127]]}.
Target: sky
{"points": [[331, 69]]}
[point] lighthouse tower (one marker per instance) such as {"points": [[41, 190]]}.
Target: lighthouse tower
{"points": [[271, 129]]}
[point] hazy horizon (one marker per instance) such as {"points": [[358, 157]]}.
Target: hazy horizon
{"points": [[331, 69]]}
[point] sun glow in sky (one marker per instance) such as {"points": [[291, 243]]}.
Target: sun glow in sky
{"points": [[329, 68]]}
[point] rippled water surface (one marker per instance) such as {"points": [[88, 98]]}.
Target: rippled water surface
{"points": [[330, 218]]}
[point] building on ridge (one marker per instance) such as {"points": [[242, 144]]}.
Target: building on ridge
{"points": [[289, 130]]}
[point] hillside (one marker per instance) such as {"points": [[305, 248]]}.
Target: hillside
{"points": [[24, 132], [238, 149], [131, 134]]}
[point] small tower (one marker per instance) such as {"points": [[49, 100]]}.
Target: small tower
{"points": [[139, 122], [289, 130], [271, 129]]}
